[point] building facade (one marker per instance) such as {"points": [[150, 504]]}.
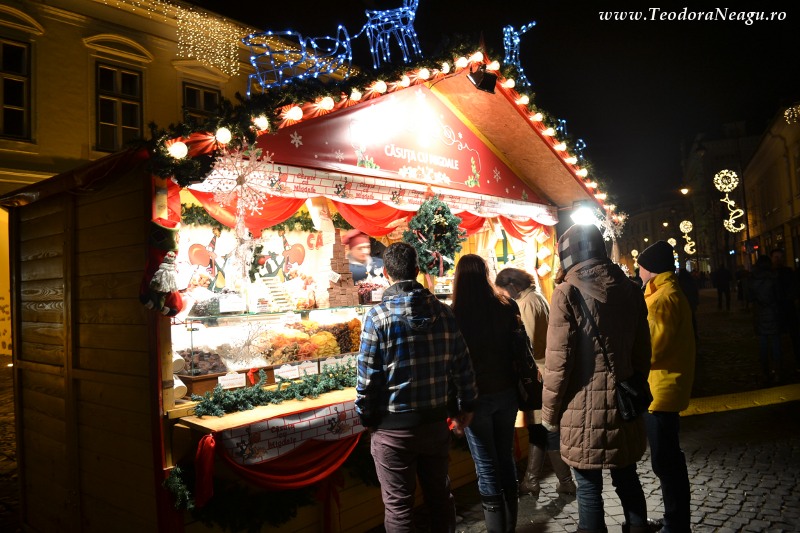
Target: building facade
{"points": [[81, 78]]}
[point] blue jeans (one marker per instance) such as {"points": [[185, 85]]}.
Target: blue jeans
{"points": [[591, 515], [669, 464], [491, 442], [403, 455]]}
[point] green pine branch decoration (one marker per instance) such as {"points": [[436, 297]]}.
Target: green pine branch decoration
{"points": [[435, 235], [221, 401]]}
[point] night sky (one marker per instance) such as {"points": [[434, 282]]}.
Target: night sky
{"points": [[634, 91]]}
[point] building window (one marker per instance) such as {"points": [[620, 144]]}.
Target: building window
{"points": [[199, 102], [119, 106], [15, 89]]}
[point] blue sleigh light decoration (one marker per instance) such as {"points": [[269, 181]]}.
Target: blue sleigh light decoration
{"points": [[280, 57], [511, 38]]}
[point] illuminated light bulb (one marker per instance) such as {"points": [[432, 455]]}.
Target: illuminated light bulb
{"points": [[380, 87], [549, 132], [560, 147], [445, 67], [462, 62], [509, 83], [294, 113], [582, 172], [477, 57], [601, 196], [523, 100], [223, 136], [571, 160], [610, 207], [326, 104], [424, 74], [405, 81], [261, 122], [592, 185], [494, 65], [537, 117], [355, 95], [178, 150]]}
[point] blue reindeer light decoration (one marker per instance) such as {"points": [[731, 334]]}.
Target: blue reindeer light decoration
{"points": [[511, 38]]}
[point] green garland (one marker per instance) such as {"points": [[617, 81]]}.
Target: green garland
{"points": [[435, 234], [221, 401], [196, 215]]}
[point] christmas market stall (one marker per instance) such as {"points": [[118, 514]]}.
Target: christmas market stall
{"points": [[185, 314]]}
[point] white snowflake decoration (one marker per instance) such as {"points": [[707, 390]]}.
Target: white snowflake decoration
{"points": [[297, 139], [726, 180], [497, 175], [339, 155], [241, 178]]}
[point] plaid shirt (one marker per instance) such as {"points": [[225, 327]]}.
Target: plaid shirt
{"points": [[411, 353]]}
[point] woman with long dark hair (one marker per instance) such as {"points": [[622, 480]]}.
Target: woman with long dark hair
{"points": [[535, 312], [486, 320]]}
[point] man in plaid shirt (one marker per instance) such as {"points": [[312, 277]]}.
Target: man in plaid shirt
{"points": [[412, 355]]}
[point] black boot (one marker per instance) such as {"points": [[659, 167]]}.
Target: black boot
{"points": [[494, 513], [532, 475], [511, 497]]}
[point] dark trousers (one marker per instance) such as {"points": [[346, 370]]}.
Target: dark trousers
{"points": [[724, 293], [401, 457], [591, 515], [669, 464]]}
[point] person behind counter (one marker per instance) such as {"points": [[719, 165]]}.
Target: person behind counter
{"points": [[362, 264]]}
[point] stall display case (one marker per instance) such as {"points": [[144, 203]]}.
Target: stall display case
{"points": [[222, 349]]}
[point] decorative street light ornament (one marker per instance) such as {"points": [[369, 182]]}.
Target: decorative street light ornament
{"points": [[672, 242], [686, 226], [726, 181]]}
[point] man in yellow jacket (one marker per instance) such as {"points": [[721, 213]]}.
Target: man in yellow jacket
{"points": [[671, 377]]}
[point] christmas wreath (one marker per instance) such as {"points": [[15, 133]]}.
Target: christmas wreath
{"points": [[435, 234]]}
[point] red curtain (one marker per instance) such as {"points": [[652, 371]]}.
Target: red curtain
{"points": [[519, 230], [310, 463], [274, 210], [471, 223], [372, 219]]}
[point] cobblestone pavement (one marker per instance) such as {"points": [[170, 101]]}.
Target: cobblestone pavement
{"points": [[744, 464]]}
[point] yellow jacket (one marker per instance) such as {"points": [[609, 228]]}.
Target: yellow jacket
{"points": [[672, 340]]}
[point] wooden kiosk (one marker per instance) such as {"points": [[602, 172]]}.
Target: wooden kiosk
{"points": [[98, 426]]}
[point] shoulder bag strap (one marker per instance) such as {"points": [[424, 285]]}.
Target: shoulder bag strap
{"points": [[593, 324]]}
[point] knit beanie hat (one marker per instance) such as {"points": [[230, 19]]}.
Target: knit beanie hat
{"points": [[579, 243], [658, 258], [354, 237]]}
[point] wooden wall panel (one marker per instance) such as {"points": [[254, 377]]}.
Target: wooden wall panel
{"points": [[136, 400], [45, 226], [126, 362], [50, 268], [113, 337], [111, 235], [43, 383], [103, 211], [111, 260], [42, 301], [38, 422], [48, 354], [41, 209], [46, 502], [117, 285], [126, 424], [105, 311], [44, 403], [135, 451], [100, 517], [42, 332], [42, 248], [39, 450], [110, 470]]}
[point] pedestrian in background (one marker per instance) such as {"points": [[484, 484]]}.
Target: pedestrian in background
{"points": [[412, 353], [763, 294], [521, 286], [578, 397], [787, 294], [672, 368], [721, 279], [487, 320]]}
